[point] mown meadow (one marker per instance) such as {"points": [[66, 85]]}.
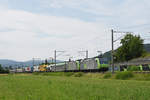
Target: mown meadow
{"points": [[56, 87]]}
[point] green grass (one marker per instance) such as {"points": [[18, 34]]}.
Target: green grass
{"points": [[40, 87], [124, 75]]}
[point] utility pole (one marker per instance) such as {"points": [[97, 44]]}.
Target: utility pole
{"points": [[87, 54], [52, 60], [112, 51], [55, 58], [33, 61], [55, 55]]}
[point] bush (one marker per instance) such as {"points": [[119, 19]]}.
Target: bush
{"points": [[68, 74], [79, 74], [107, 75], [133, 68], [124, 75]]}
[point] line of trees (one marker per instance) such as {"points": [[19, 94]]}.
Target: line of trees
{"points": [[2, 70]]}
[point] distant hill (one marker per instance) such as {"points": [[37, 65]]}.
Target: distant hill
{"points": [[147, 47], [108, 54], [7, 63]]}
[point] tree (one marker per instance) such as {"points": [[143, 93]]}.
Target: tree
{"points": [[1, 68], [132, 47]]}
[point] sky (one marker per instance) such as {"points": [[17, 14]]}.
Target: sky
{"points": [[35, 28]]}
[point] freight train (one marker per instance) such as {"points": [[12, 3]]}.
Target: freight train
{"points": [[83, 65]]}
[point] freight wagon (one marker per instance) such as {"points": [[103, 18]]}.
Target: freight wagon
{"points": [[27, 69]]}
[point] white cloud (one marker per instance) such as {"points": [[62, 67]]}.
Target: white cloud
{"points": [[101, 7], [109, 11], [25, 35]]}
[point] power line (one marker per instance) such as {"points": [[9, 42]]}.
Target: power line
{"points": [[86, 53], [112, 42]]}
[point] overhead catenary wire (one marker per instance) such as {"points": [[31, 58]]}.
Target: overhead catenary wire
{"points": [[55, 56]]}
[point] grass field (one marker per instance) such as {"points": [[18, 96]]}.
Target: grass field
{"points": [[38, 87]]}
